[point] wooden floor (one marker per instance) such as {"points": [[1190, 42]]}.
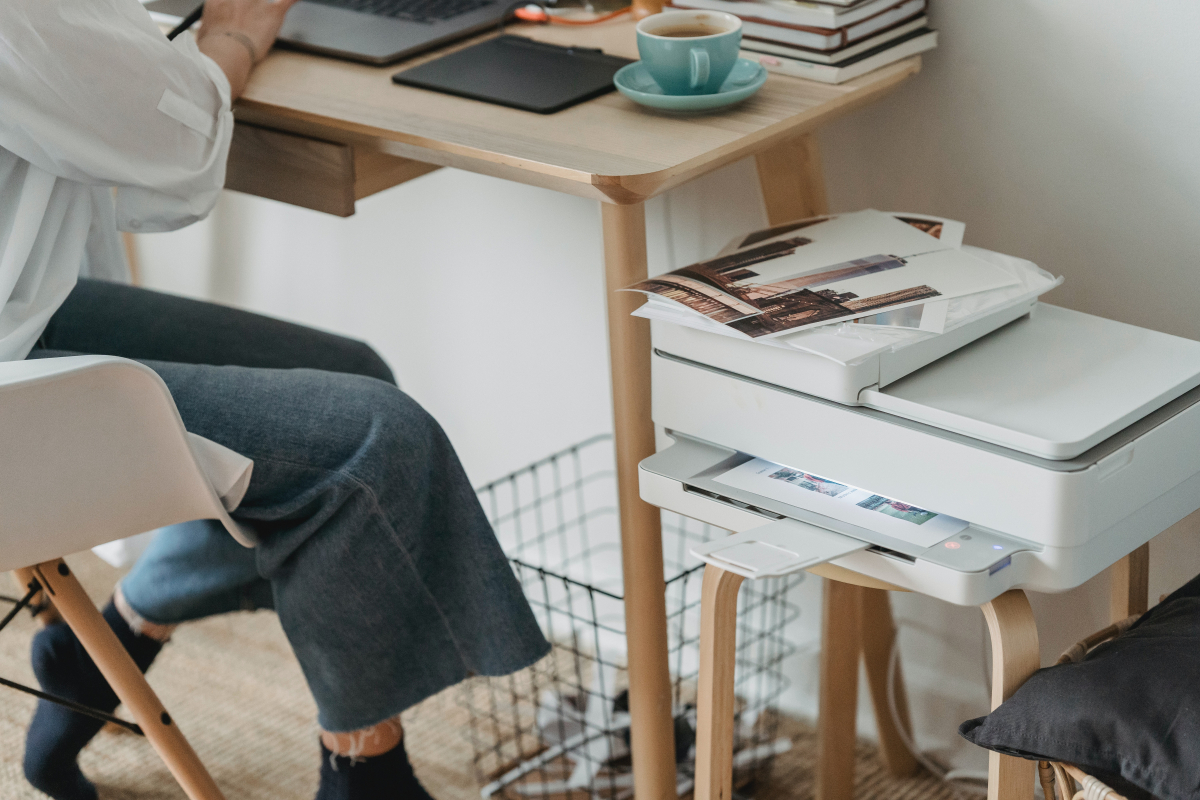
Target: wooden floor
{"points": [[234, 687]]}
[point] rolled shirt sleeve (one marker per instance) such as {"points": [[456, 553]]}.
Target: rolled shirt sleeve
{"points": [[92, 91]]}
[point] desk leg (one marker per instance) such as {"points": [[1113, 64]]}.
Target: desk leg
{"points": [[1130, 584], [793, 184], [841, 635], [715, 694], [878, 638], [652, 729], [1015, 657]]}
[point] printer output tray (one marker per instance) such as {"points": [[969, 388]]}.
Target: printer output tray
{"points": [[695, 464], [970, 567]]}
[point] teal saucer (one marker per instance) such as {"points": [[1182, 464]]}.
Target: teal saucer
{"points": [[634, 82]]}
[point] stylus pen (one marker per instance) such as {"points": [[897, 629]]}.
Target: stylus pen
{"points": [[187, 22]]}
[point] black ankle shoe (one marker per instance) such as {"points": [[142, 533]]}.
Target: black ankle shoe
{"points": [[387, 776], [56, 734]]}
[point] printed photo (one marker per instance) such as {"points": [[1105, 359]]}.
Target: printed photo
{"points": [[946, 231], [849, 504], [780, 230], [817, 271], [909, 317], [894, 508], [813, 483], [804, 307], [724, 289], [931, 226]]}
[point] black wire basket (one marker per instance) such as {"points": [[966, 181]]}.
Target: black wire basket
{"points": [[559, 730]]}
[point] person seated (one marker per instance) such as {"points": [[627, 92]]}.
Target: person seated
{"points": [[370, 544]]}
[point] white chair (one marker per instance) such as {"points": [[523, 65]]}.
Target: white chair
{"points": [[94, 451]]}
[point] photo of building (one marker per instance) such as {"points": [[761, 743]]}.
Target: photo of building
{"points": [[931, 226], [894, 508], [786, 311], [891, 298], [813, 483], [727, 272], [781, 281], [698, 296], [780, 230], [841, 272], [804, 307]]}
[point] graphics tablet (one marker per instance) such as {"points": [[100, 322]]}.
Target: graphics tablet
{"points": [[519, 73]]}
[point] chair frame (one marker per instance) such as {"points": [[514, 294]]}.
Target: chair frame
{"points": [[95, 451], [76, 609]]}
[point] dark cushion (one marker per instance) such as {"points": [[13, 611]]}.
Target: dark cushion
{"points": [[1130, 710]]}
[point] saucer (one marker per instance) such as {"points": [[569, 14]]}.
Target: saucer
{"points": [[634, 81]]}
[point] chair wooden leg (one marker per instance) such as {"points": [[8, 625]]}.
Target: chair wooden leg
{"points": [[126, 679], [841, 636], [715, 700], [1015, 656], [1130, 584], [48, 615], [878, 638]]}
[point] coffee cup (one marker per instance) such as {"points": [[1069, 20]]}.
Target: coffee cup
{"points": [[689, 52]]}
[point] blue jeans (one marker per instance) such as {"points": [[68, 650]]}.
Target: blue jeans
{"points": [[373, 549]]}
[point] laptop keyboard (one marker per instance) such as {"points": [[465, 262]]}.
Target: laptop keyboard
{"points": [[412, 10]]}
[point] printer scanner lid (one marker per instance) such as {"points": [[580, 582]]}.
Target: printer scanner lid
{"points": [[1052, 385]]}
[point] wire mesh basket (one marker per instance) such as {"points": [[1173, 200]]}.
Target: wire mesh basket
{"points": [[559, 730]]}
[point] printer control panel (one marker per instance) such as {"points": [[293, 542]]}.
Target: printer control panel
{"points": [[975, 550]]}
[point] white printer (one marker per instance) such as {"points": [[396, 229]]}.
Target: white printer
{"points": [[1052, 443]]}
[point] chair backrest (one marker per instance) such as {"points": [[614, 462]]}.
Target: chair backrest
{"points": [[92, 449]]}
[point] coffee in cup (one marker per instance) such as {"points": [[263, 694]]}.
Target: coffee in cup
{"points": [[688, 31], [689, 52]]}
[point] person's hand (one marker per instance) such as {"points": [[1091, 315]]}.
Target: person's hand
{"points": [[238, 33]]}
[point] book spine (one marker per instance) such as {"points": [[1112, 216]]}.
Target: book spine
{"points": [[815, 40], [749, 9], [750, 12], [794, 68]]}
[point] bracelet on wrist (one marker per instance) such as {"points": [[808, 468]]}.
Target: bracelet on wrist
{"points": [[245, 41]]}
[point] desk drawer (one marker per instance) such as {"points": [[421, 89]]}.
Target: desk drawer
{"points": [[324, 176]]}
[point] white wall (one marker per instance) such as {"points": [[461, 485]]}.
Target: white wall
{"points": [[1063, 131]]}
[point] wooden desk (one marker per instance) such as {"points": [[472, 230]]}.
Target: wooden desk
{"points": [[354, 132]]}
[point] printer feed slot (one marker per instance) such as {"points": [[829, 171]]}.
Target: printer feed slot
{"points": [[729, 501], [777, 548], [885, 552]]}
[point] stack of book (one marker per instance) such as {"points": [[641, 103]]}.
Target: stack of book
{"points": [[830, 40]]}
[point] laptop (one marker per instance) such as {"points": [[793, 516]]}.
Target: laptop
{"points": [[370, 31]]}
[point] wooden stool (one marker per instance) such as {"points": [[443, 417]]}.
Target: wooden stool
{"points": [[856, 619]]}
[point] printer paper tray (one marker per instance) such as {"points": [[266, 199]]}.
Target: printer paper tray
{"points": [[777, 548]]}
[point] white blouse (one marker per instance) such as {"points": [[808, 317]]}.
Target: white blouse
{"points": [[104, 124]]}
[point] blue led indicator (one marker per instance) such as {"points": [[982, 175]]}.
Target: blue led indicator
{"points": [[997, 547]]}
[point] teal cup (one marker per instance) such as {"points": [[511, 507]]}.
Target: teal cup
{"points": [[689, 52]]}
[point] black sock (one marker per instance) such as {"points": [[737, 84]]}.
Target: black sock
{"points": [[56, 734], [387, 776]]}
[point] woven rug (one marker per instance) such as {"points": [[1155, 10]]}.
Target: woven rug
{"points": [[235, 689]]}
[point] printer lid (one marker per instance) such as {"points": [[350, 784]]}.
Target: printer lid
{"points": [[1052, 385]]}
